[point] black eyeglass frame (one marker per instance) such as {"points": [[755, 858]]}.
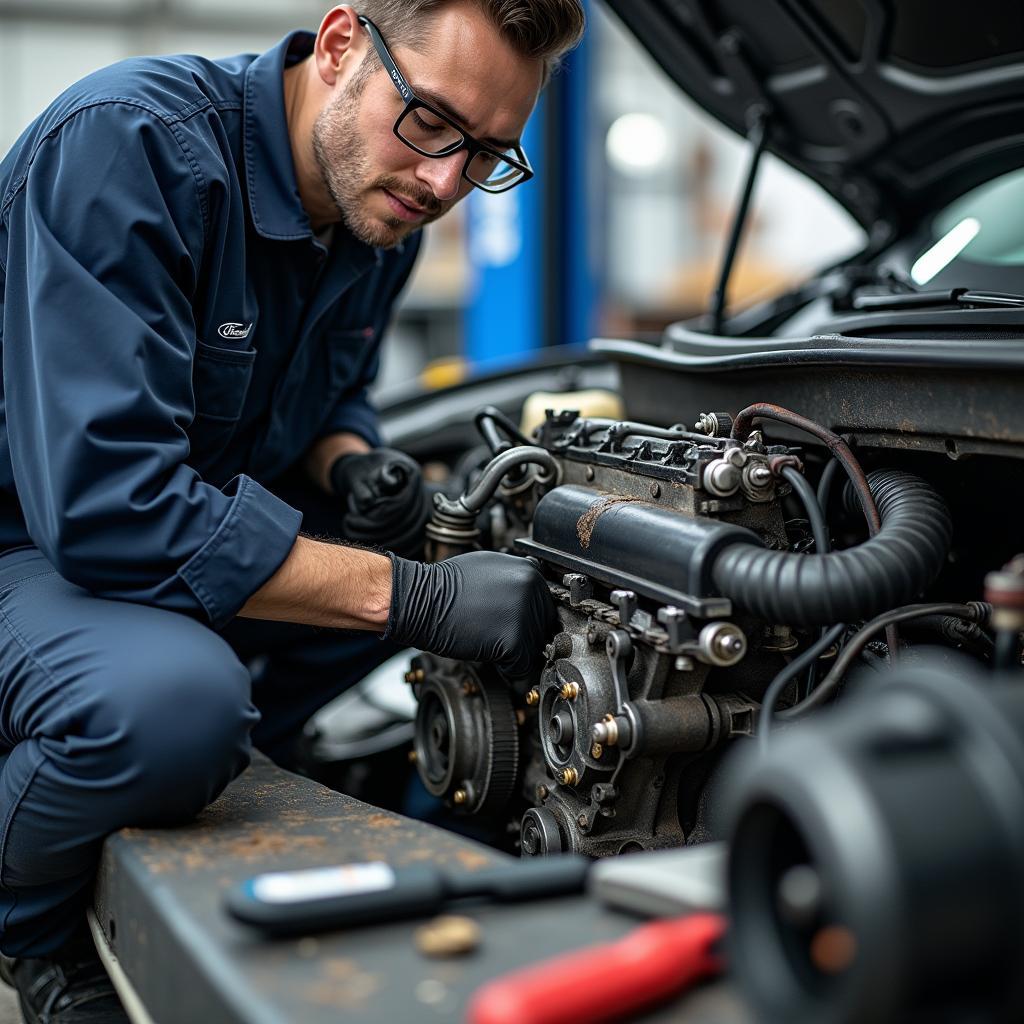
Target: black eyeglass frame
{"points": [[414, 102]]}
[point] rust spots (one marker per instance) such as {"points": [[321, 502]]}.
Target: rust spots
{"points": [[209, 852], [343, 983], [415, 856], [381, 821], [260, 844], [193, 861], [587, 521], [471, 860]]}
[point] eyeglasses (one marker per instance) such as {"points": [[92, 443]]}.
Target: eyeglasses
{"points": [[432, 133]]}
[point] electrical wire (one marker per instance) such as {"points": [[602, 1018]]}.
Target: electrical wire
{"points": [[815, 516], [744, 423], [828, 477], [819, 530], [976, 611], [790, 672]]}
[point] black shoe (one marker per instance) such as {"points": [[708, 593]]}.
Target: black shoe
{"points": [[68, 987]]}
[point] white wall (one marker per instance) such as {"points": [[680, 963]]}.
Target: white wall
{"points": [[45, 45]]}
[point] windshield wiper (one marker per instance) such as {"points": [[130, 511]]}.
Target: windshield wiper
{"points": [[950, 297]]}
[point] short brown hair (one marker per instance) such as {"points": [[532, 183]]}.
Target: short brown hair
{"points": [[542, 30]]}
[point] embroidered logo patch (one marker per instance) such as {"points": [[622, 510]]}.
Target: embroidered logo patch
{"points": [[234, 332]]}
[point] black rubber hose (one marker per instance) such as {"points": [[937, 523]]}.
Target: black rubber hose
{"points": [[887, 570]]}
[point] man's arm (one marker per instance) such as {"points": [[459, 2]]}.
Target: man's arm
{"points": [[481, 606], [322, 456], [107, 236], [326, 585]]}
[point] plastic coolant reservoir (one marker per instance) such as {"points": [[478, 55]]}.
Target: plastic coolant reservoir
{"points": [[594, 402]]}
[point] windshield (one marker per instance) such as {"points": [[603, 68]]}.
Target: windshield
{"points": [[984, 228]]}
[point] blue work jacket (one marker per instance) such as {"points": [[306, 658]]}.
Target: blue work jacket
{"points": [[172, 331]]}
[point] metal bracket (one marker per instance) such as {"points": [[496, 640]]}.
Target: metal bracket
{"points": [[581, 588], [625, 601], [619, 649], [673, 619]]}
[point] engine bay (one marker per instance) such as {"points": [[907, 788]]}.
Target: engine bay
{"points": [[711, 581]]}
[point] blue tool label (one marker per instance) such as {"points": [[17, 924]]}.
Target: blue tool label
{"points": [[322, 883]]}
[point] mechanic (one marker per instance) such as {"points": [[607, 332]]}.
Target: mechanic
{"points": [[199, 259]]}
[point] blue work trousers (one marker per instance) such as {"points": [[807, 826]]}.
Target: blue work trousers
{"points": [[115, 714]]}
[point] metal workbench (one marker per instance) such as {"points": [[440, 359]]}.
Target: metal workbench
{"points": [[158, 904]]}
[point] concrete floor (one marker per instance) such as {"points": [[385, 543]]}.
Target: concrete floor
{"points": [[9, 1012]]}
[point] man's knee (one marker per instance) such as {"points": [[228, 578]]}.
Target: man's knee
{"points": [[172, 717]]}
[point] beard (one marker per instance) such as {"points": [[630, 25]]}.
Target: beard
{"points": [[344, 166]]}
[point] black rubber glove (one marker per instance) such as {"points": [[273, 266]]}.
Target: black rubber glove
{"points": [[481, 606], [385, 501]]}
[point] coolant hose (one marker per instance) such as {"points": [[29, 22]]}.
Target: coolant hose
{"points": [[887, 570]]}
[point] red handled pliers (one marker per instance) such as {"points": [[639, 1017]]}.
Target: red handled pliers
{"points": [[607, 982]]}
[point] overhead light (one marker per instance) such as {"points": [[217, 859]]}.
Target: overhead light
{"points": [[637, 144], [945, 250]]}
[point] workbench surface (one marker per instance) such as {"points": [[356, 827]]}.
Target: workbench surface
{"points": [[158, 900]]}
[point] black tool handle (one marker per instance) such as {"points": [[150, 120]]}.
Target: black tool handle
{"points": [[522, 879], [301, 902]]}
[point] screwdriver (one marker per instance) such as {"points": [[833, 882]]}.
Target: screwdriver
{"points": [[606, 982], [315, 899]]}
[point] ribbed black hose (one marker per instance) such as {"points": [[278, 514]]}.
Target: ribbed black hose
{"points": [[885, 571]]}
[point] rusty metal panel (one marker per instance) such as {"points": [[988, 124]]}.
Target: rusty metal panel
{"points": [[927, 410], [158, 899]]}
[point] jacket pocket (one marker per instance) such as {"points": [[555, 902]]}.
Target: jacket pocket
{"points": [[220, 382]]}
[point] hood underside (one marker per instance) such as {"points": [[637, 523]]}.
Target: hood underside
{"points": [[894, 106]]}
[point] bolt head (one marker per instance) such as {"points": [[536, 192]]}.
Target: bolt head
{"points": [[533, 697], [459, 797], [542, 792], [596, 751], [721, 478], [582, 821], [730, 645], [413, 757], [655, 490]]}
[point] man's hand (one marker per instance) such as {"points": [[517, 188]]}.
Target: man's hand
{"points": [[482, 606], [384, 500]]}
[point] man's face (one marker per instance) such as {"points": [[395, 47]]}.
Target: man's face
{"points": [[383, 190]]}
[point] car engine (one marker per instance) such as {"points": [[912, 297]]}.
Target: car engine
{"points": [[689, 565]]}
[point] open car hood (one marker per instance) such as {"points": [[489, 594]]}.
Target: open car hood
{"points": [[894, 106]]}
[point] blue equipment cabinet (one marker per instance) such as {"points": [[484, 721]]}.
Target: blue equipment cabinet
{"points": [[536, 252]]}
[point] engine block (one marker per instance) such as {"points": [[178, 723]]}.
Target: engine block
{"points": [[653, 671]]}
